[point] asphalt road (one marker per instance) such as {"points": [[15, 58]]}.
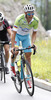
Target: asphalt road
{"points": [[8, 92]]}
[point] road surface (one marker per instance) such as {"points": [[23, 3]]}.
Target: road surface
{"points": [[8, 92]]}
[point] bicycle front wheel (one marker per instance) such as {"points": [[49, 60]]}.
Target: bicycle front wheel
{"points": [[3, 65], [28, 77], [18, 83]]}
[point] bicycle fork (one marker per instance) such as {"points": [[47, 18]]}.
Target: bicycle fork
{"points": [[22, 71]]}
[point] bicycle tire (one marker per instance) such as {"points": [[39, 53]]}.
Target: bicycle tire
{"points": [[3, 66], [1, 70], [27, 65], [1, 74], [18, 83]]}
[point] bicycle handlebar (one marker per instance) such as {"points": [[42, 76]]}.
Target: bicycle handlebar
{"points": [[25, 48], [32, 47]]}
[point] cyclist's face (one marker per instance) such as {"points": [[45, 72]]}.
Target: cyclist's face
{"points": [[30, 14], [1, 23]]}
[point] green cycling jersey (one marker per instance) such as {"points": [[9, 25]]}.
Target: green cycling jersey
{"points": [[22, 27]]}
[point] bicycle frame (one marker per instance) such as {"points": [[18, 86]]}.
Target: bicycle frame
{"points": [[24, 76], [22, 58], [2, 63]]}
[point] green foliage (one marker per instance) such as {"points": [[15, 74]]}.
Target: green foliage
{"points": [[49, 16], [41, 61]]}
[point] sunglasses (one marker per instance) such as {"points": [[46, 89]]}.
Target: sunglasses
{"points": [[30, 14]]}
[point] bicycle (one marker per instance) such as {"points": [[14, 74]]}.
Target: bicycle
{"points": [[2, 60], [21, 76]]}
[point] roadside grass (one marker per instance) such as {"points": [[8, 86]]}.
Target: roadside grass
{"points": [[41, 61]]}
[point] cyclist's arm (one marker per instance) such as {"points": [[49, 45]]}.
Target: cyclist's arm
{"points": [[9, 32], [13, 38], [33, 37], [35, 27], [15, 27], [7, 26]]}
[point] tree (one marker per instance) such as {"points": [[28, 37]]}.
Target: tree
{"points": [[46, 14]]}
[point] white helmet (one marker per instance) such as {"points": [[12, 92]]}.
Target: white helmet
{"points": [[28, 8], [1, 17]]}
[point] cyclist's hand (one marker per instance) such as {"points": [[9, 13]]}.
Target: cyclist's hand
{"points": [[12, 50], [34, 49], [34, 46]]}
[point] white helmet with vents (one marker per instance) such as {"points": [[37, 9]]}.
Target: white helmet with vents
{"points": [[1, 17], [28, 8]]}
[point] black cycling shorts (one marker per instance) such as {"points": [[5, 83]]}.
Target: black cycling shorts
{"points": [[4, 38]]}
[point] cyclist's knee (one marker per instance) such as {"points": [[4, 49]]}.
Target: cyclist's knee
{"points": [[6, 51], [28, 55]]}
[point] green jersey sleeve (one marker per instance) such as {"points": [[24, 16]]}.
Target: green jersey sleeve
{"points": [[15, 27], [36, 22], [17, 22]]}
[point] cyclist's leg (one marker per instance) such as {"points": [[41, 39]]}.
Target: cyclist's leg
{"points": [[6, 48], [27, 43], [12, 60]]}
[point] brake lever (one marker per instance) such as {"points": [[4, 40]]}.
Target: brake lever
{"points": [[34, 50]]}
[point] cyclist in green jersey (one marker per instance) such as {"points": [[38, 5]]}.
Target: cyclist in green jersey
{"points": [[23, 25]]}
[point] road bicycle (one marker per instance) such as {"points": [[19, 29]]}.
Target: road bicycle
{"points": [[25, 73], [2, 61]]}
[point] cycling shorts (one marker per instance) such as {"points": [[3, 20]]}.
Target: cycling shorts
{"points": [[25, 41], [4, 38]]}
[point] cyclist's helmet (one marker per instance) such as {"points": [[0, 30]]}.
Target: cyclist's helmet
{"points": [[28, 8], [1, 17]]}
